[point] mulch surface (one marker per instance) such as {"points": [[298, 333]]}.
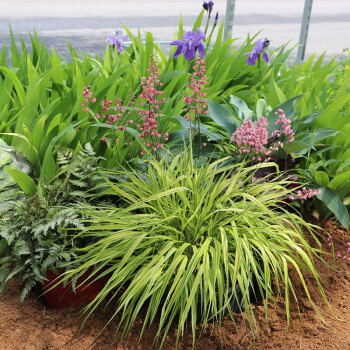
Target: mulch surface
{"points": [[32, 326]]}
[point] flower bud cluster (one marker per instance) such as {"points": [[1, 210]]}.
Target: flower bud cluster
{"points": [[194, 100], [252, 138], [305, 194], [285, 129], [150, 129], [87, 98]]}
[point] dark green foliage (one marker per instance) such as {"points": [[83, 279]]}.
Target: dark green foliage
{"points": [[82, 171], [40, 231], [38, 239]]}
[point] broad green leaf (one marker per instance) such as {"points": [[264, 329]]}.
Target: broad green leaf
{"points": [[261, 108], [315, 136], [321, 178], [242, 109], [296, 146], [335, 205], [340, 180], [221, 116], [24, 181], [202, 128]]}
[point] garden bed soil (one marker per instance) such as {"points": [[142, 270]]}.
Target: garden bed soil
{"points": [[32, 326]]}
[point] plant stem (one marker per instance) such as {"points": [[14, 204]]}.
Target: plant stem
{"points": [[89, 127], [207, 25]]}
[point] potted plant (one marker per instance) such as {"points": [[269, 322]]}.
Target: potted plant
{"points": [[40, 231]]}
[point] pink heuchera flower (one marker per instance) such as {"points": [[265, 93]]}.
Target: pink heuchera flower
{"points": [[194, 99], [305, 194], [285, 129], [150, 129], [252, 138], [87, 98]]}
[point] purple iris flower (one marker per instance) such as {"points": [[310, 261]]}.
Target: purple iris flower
{"points": [[190, 43], [208, 6], [116, 40], [257, 50]]}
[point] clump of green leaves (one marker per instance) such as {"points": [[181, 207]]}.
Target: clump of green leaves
{"points": [[40, 230], [82, 172], [37, 239], [191, 241]]}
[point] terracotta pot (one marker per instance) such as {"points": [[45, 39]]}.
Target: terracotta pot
{"points": [[60, 296]]}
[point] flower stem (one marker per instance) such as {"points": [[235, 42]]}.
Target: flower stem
{"points": [[259, 64], [207, 25]]}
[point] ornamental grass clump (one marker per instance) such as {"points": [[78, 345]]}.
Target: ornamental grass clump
{"points": [[189, 243]]}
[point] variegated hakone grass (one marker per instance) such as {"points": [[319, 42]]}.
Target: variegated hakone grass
{"points": [[187, 235]]}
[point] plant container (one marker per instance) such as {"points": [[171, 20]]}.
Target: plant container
{"points": [[62, 296]]}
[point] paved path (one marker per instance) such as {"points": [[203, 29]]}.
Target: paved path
{"points": [[87, 23]]}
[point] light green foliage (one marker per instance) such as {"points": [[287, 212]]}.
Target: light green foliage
{"points": [[190, 237]]}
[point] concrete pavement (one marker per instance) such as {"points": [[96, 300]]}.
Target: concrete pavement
{"points": [[87, 23]]}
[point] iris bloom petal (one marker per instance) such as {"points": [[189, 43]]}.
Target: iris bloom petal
{"points": [[111, 40], [190, 36], [177, 42], [201, 49], [180, 50], [266, 57], [259, 47], [200, 35], [190, 52], [257, 50], [119, 46], [192, 41], [252, 59]]}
